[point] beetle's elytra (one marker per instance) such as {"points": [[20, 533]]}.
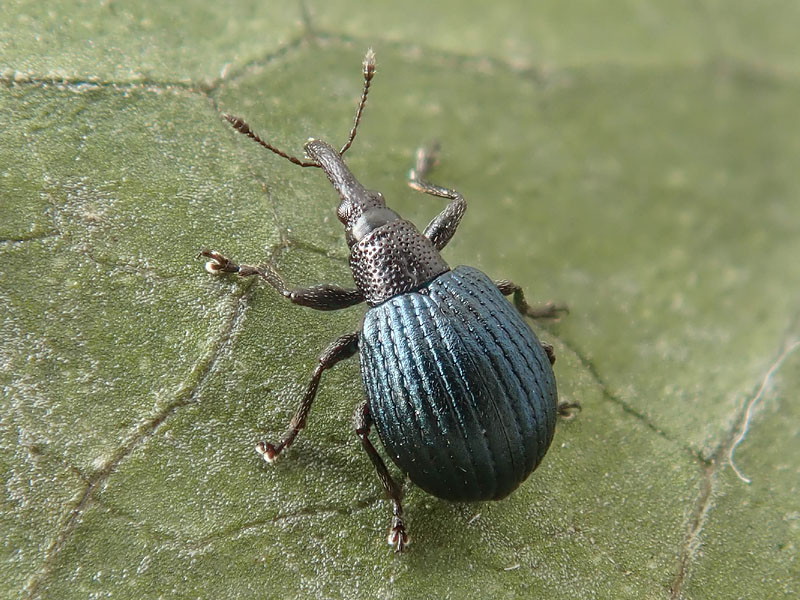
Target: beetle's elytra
{"points": [[459, 388]]}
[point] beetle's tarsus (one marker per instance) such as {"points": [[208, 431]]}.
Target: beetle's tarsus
{"points": [[548, 310], [550, 351], [218, 263], [568, 410], [427, 157], [267, 451], [398, 538]]}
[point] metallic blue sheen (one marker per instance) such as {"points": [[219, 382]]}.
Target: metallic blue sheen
{"points": [[461, 391]]}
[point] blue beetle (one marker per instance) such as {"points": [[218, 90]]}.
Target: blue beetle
{"points": [[459, 388]]}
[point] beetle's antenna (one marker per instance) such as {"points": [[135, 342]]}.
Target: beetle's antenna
{"points": [[242, 127], [369, 72]]}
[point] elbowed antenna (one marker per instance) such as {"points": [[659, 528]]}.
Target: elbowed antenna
{"points": [[242, 127]]}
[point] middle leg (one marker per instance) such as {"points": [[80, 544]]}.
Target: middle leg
{"points": [[344, 347]]}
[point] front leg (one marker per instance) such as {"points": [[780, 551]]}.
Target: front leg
{"points": [[441, 229], [319, 297]]}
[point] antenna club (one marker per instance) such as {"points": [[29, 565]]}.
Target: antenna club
{"points": [[369, 64]]}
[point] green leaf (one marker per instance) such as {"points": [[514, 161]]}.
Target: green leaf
{"points": [[635, 160]]}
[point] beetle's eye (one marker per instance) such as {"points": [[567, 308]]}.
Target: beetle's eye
{"points": [[344, 211]]}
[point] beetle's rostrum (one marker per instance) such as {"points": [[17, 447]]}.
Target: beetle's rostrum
{"points": [[459, 388]]}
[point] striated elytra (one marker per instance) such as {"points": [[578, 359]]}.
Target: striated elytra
{"points": [[460, 390]]}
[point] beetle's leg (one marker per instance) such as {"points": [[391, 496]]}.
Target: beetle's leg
{"points": [[550, 351], [319, 297], [567, 410], [344, 347], [398, 538], [441, 229], [549, 310]]}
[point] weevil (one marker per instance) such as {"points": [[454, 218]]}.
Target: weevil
{"points": [[459, 388]]}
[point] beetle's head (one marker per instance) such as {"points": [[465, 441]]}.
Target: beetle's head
{"points": [[360, 210]]}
